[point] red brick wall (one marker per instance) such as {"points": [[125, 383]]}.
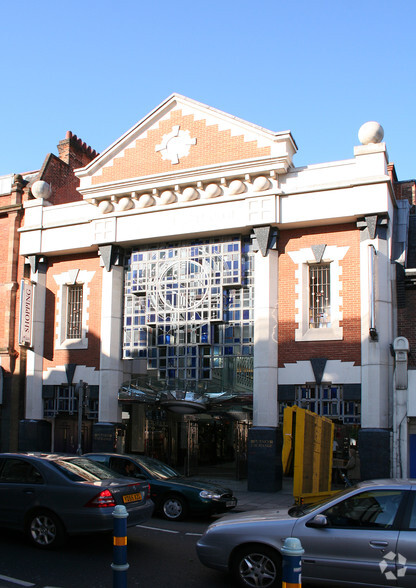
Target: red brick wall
{"points": [[11, 273], [60, 177], [406, 191], [4, 295], [407, 323], [91, 356], [349, 349], [212, 146]]}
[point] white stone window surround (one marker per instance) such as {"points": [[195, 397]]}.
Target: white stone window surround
{"points": [[303, 258], [64, 280]]}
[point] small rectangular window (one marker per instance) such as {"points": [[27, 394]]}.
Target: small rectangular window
{"points": [[74, 312], [319, 296]]}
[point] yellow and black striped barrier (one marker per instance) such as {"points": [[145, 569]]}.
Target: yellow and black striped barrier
{"points": [[120, 565]]}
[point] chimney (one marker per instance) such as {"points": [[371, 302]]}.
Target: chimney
{"points": [[74, 152]]}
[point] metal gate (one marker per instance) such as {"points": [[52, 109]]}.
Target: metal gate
{"points": [[191, 460], [241, 437]]}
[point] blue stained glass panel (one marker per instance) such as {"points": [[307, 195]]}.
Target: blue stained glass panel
{"points": [[188, 295]]}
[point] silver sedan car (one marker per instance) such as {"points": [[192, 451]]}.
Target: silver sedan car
{"points": [[363, 536], [50, 496]]}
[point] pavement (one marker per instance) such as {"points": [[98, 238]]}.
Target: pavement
{"points": [[248, 500]]}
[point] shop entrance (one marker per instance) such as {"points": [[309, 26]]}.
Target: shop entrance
{"points": [[202, 444], [65, 434]]}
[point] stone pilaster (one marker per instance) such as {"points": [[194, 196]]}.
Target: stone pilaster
{"points": [[111, 370], [264, 443]]}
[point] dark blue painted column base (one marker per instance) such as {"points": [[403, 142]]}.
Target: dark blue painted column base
{"points": [[265, 459], [374, 452]]}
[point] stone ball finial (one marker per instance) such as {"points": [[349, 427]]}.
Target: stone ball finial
{"points": [[371, 132], [41, 189]]}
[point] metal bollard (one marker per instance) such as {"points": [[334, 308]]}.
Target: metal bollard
{"points": [[120, 565], [292, 566]]}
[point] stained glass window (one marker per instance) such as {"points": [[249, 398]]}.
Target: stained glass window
{"points": [[187, 304]]}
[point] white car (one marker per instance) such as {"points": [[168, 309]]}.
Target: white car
{"points": [[364, 536]]}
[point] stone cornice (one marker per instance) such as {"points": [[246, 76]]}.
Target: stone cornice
{"points": [[189, 177], [10, 208]]}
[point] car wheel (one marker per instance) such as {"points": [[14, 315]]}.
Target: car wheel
{"points": [[257, 566], [45, 530], [174, 508]]}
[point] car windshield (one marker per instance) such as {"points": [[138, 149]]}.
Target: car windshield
{"points": [[157, 469], [80, 469], [303, 509]]}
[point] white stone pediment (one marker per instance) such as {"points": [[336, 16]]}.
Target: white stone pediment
{"points": [[182, 138]]}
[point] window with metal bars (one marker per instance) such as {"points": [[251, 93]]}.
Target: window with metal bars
{"points": [[74, 312], [325, 400], [319, 296], [64, 401]]}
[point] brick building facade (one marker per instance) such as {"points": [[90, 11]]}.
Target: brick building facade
{"points": [[12, 358], [57, 174], [199, 282]]}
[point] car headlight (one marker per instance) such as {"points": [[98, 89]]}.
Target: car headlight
{"points": [[209, 494]]}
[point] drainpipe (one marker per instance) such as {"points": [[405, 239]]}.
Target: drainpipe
{"points": [[400, 392]]}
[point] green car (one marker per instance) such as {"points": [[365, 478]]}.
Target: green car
{"points": [[174, 496]]}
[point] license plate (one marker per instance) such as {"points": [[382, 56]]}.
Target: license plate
{"points": [[132, 497], [230, 503]]}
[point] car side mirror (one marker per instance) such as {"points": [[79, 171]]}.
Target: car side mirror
{"points": [[319, 521]]}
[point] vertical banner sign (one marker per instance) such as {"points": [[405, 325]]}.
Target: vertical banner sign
{"points": [[26, 308]]}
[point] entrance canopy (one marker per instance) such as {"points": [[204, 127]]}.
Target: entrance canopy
{"points": [[184, 397]]}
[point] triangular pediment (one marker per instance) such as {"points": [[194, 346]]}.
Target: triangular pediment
{"points": [[179, 135]]}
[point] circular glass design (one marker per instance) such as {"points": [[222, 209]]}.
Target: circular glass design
{"points": [[183, 285]]}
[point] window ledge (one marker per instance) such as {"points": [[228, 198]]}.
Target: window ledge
{"points": [[330, 334], [73, 344]]}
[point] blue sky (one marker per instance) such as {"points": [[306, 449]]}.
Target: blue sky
{"points": [[317, 68]]}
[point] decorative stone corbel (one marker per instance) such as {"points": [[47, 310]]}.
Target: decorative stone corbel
{"points": [[318, 252], [265, 238], [70, 371], [371, 222], [37, 262], [318, 366], [111, 255]]}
